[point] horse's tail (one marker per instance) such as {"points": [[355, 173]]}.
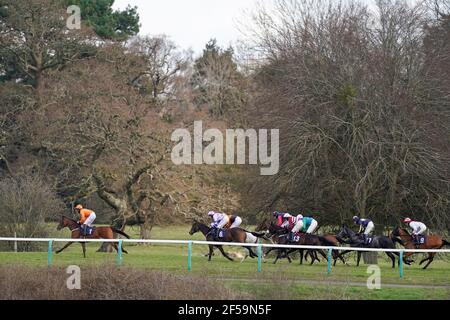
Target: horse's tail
{"points": [[120, 232], [445, 242]]}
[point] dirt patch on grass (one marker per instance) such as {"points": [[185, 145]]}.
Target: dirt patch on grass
{"points": [[108, 282]]}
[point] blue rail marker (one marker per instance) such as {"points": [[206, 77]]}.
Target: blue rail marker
{"points": [[259, 258], [50, 253], [330, 255], [189, 256], [119, 253]]}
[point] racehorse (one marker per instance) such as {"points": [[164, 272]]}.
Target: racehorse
{"points": [[229, 235], [98, 233], [403, 237], [355, 240], [278, 236], [303, 240]]}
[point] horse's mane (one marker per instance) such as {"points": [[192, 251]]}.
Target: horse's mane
{"points": [[200, 223]]}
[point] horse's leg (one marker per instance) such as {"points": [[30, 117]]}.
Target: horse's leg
{"points": [[316, 257], [224, 253], [323, 254], [211, 248], [277, 257], [359, 258], [83, 245], [430, 259], [250, 251], [63, 248], [301, 256], [342, 259], [312, 255], [342, 254], [337, 256], [390, 255], [288, 258], [406, 256]]}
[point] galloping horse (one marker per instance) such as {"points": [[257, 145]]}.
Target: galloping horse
{"points": [[304, 240], [229, 235], [379, 242], [99, 233], [277, 234], [403, 237]]}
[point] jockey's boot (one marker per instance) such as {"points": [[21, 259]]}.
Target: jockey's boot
{"points": [[416, 241]]}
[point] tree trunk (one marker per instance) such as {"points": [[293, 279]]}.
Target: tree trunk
{"points": [[370, 258]]}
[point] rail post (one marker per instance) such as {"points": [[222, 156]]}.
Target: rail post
{"points": [[15, 242], [259, 258], [189, 266], [119, 253], [330, 255], [50, 253], [401, 265]]}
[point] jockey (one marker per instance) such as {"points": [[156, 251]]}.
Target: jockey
{"points": [[283, 219], [298, 224], [366, 226], [87, 217], [418, 228], [223, 221]]}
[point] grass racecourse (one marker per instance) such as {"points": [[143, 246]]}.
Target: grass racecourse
{"points": [[280, 281]]}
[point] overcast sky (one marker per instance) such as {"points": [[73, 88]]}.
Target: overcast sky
{"points": [[191, 23]]}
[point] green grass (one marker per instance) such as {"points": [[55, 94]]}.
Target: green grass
{"points": [[244, 277]]}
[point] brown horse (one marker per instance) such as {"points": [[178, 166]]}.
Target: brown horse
{"points": [[403, 237], [98, 233], [229, 235]]}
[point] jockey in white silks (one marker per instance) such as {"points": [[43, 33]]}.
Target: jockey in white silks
{"points": [[366, 226], [223, 221], [418, 228]]}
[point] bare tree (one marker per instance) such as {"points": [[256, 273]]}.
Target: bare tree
{"points": [[350, 92], [26, 202], [163, 64]]}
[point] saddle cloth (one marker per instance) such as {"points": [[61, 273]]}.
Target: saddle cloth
{"points": [[86, 230], [368, 240], [421, 239]]}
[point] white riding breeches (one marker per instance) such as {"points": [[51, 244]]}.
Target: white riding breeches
{"points": [[369, 228], [90, 219], [312, 227], [298, 226], [420, 230], [237, 222]]}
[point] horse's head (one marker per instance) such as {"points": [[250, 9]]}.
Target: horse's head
{"points": [[344, 232], [275, 229], [66, 222], [62, 223], [397, 234], [195, 228]]}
